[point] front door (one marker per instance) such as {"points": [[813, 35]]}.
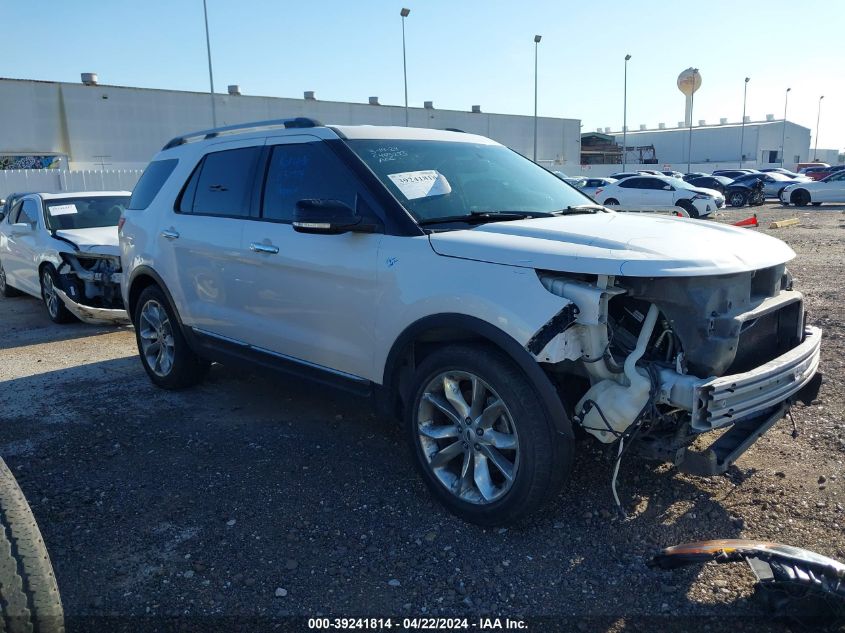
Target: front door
{"points": [[310, 297]]}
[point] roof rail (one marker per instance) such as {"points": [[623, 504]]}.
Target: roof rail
{"points": [[298, 122]]}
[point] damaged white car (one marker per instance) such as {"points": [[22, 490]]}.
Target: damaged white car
{"points": [[63, 248], [471, 293]]}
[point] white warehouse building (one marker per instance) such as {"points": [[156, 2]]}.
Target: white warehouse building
{"points": [[92, 126], [761, 143]]}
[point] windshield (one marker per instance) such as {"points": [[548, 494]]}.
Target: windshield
{"points": [[444, 179], [677, 183], [84, 213]]}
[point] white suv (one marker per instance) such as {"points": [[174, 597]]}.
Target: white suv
{"points": [[469, 291]]}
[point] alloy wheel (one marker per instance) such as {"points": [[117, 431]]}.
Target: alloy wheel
{"points": [[51, 297], [468, 437], [156, 335]]}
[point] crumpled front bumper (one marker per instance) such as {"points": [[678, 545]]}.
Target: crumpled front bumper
{"points": [[88, 314], [718, 402]]}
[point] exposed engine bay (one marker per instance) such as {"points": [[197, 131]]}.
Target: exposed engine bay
{"points": [[666, 359], [89, 286]]}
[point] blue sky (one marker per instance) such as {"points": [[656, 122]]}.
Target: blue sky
{"points": [[460, 52]]}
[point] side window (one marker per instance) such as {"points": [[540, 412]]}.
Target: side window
{"points": [[151, 183], [224, 182], [304, 170], [13, 214], [630, 183], [659, 184], [29, 211]]}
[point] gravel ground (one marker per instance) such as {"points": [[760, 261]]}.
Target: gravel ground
{"points": [[258, 496]]}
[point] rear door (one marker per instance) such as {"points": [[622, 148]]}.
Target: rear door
{"points": [[200, 242], [310, 297], [832, 190], [22, 245]]}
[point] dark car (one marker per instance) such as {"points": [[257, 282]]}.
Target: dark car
{"points": [[719, 183], [734, 173], [624, 174]]}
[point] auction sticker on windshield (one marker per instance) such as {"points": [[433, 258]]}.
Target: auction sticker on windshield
{"points": [[421, 184], [62, 209]]}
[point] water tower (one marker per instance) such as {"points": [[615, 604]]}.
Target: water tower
{"points": [[688, 82]]}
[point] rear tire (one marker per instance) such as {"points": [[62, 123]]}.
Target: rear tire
{"points": [[5, 289], [165, 354], [465, 450], [56, 309], [611, 202], [29, 594], [817, 204]]}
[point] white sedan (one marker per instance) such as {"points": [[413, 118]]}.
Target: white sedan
{"points": [[830, 189], [659, 193], [63, 248]]}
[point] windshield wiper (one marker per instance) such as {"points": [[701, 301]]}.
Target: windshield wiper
{"points": [[580, 208], [479, 217]]}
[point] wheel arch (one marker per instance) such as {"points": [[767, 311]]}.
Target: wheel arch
{"points": [[798, 190], [424, 335], [142, 278]]}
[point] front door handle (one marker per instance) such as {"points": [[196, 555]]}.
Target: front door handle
{"points": [[255, 247], [170, 234]]}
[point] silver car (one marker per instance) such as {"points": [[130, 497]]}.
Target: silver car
{"points": [[590, 185], [773, 182]]}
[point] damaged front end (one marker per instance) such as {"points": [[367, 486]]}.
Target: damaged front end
{"points": [[666, 359], [89, 286], [791, 580]]}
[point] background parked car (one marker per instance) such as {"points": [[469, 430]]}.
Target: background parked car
{"points": [[831, 189], [817, 173], [656, 192], [624, 174], [802, 167], [590, 185], [773, 182], [672, 174], [780, 170], [738, 194], [734, 173], [717, 183]]}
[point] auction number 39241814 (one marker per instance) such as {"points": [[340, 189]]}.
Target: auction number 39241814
{"points": [[423, 623]]}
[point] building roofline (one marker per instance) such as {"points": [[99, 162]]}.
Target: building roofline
{"points": [[710, 126]]}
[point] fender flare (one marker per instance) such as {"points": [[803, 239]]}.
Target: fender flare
{"points": [[146, 271], [504, 342]]}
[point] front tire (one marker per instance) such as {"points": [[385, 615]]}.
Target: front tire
{"points": [[56, 310], [483, 443], [737, 199], [29, 594], [165, 354], [5, 289], [689, 207], [611, 202], [800, 198]]}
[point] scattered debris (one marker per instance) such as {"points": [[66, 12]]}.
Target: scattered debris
{"points": [[792, 581]]}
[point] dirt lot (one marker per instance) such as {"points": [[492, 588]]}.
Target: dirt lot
{"points": [[261, 496]]}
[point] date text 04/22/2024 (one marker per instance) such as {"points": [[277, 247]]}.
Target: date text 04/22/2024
{"points": [[414, 624]]}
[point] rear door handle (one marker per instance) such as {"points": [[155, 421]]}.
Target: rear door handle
{"points": [[170, 234], [255, 247]]}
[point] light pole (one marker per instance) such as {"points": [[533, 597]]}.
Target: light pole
{"points": [[783, 133], [210, 72], [742, 126], [691, 104], [537, 39], [625, 116], [404, 13], [818, 117]]}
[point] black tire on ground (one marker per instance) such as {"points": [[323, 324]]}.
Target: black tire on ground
{"points": [[800, 198], [56, 309], [689, 207], [545, 456], [817, 204], [5, 289], [737, 199], [780, 192], [29, 595], [187, 369], [611, 202]]}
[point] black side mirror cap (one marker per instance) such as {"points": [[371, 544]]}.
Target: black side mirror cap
{"points": [[328, 217]]}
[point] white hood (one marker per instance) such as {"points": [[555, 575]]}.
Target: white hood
{"points": [[629, 244], [101, 240]]}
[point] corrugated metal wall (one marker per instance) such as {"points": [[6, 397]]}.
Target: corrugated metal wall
{"points": [[58, 180]]}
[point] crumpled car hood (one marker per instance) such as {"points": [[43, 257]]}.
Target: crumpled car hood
{"points": [[102, 240], [629, 244]]}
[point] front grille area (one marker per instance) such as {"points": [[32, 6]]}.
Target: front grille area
{"points": [[768, 336]]}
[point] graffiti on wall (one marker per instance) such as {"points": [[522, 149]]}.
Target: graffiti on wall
{"points": [[30, 162]]}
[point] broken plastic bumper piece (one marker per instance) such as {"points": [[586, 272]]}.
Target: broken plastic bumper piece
{"points": [[89, 314], [791, 580]]}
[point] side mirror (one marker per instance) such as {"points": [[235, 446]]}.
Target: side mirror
{"points": [[667, 188], [328, 217]]}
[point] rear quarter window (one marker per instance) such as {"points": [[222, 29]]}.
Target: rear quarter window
{"points": [[151, 182]]}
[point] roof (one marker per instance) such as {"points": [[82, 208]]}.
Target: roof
{"points": [[387, 132], [712, 126], [82, 194]]}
